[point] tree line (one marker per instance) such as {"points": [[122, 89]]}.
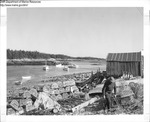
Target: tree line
{"points": [[20, 54]]}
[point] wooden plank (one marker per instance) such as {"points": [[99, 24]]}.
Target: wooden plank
{"points": [[77, 108]]}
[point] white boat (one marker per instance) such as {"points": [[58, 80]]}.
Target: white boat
{"points": [[66, 69], [60, 66], [26, 77], [45, 67]]}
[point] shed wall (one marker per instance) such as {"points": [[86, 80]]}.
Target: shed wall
{"points": [[117, 68]]}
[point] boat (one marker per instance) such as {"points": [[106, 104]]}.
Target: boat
{"points": [[26, 78], [60, 66], [66, 68], [73, 66], [45, 67]]}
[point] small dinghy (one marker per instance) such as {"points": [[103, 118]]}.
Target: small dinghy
{"points": [[26, 77]]}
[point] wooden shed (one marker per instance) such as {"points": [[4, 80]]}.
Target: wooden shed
{"points": [[118, 63]]}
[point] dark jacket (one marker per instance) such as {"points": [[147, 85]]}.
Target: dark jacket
{"points": [[109, 86]]}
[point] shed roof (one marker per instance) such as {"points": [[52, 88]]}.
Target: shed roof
{"points": [[124, 57]]}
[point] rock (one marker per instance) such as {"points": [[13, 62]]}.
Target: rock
{"points": [[46, 101], [58, 97], [33, 93], [74, 88], [14, 104], [21, 110], [54, 86], [28, 102], [27, 94], [55, 110], [56, 91], [11, 111], [68, 89], [22, 102], [61, 90], [65, 95], [60, 84], [68, 83], [46, 88], [30, 107]]}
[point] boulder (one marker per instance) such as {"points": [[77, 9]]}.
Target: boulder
{"points": [[54, 85], [61, 90], [60, 84], [46, 101], [46, 88], [33, 93], [21, 110], [14, 104], [68, 89], [11, 111], [30, 107], [27, 94], [74, 88]]}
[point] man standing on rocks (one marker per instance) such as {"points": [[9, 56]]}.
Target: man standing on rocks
{"points": [[108, 87]]}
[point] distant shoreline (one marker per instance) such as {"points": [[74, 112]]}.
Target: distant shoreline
{"points": [[18, 62]]}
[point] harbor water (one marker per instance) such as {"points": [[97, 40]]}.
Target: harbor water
{"points": [[15, 73]]}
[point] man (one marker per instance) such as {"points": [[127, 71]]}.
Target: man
{"points": [[108, 87]]}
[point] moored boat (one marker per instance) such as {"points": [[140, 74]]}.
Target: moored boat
{"points": [[45, 67], [26, 77], [66, 69], [73, 66], [60, 66]]}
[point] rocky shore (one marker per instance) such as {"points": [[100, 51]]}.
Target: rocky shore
{"points": [[60, 95]]}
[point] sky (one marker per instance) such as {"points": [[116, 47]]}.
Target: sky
{"points": [[76, 31]]}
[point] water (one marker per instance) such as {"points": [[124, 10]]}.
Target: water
{"points": [[15, 73]]}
